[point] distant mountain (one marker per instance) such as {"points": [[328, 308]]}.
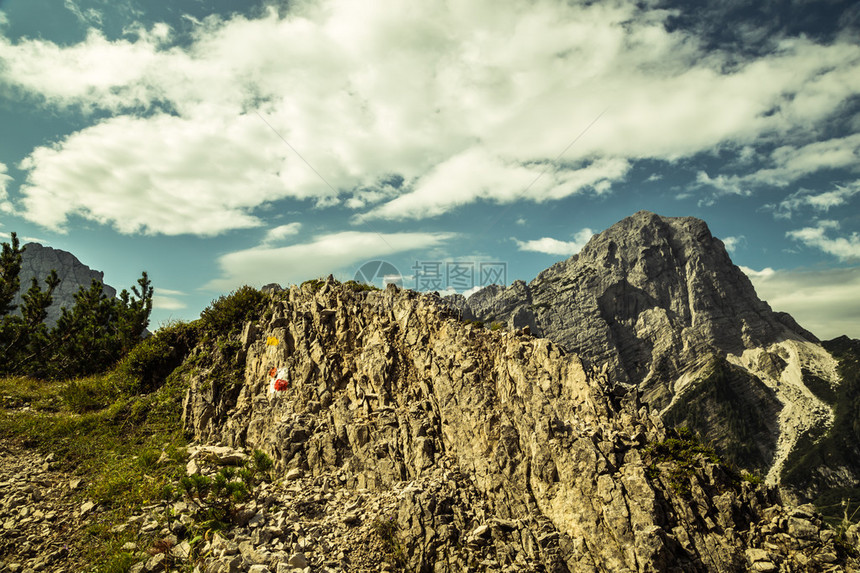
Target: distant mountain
{"points": [[656, 302], [38, 261]]}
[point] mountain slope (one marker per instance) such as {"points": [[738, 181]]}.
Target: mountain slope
{"points": [[38, 261], [659, 304], [503, 451]]}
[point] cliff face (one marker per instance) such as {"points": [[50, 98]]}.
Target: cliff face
{"points": [[38, 261], [502, 451], [658, 303]]}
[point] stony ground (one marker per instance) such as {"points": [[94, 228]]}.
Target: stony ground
{"points": [[40, 512]]}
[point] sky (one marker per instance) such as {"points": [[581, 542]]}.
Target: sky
{"points": [[221, 143]]}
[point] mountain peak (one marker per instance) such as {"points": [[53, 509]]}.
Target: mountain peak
{"points": [[38, 261], [658, 303]]}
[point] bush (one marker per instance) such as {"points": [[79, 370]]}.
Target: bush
{"points": [[314, 284], [682, 451], [151, 361], [360, 287], [226, 315]]}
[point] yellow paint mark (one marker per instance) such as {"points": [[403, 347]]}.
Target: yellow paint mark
{"points": [[272, 341]]}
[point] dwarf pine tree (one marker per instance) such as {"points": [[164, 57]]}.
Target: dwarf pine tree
{"points": [[90, 337]]}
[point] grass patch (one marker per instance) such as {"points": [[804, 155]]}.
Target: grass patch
{"points": [[22, 392], [386, 529], [127, 451], [682, 451], [818, 386], [360, 287], [725, 407]]}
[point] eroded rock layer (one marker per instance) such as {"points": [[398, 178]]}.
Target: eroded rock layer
{"points": [[658, 302], [533, 466], [38, 261]]}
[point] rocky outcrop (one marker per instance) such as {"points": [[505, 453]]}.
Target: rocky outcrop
{"points": [[502, 451], [38, 261], [658, 303]]}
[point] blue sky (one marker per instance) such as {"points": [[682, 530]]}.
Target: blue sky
{"points": [[215, 144]]}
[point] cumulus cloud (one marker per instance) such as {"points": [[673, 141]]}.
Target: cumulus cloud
{"points": [[788, 163], [817, 201], [552, 246], [5, 179], [844, 248], [168, 299], [824, 301], [281, 232], [162, 174], [733, 243], [465, 102], [324, 254], [476, 174]]}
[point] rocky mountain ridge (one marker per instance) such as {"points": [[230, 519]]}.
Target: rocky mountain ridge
{"points": [[533, 464], [658, 303], [38, 261]]}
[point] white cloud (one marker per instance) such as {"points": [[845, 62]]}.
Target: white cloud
{"points": [[788, 163], [163, 174], [554, 246], [733, 243], [816, 201], [466, 101], [824, 302], [754, 274], [89, 16], [476, 174], [325, 254], [844, 248], [281, 232], [162, 302], [5, 179]]}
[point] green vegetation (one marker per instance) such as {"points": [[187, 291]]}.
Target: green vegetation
{"points": [[386, 529], [122, 430], [838, 447], [360, 287], [715, 408], [753, 478], [682, 451], [128, 452], [818, 386], [496, 325], [107, 402], [475, 323], [225, 316], [89, 338], [314, 284], [215, 498]]}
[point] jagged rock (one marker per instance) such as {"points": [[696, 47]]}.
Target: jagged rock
{"points": [[435, 433], [656, 302], [38, 261]]}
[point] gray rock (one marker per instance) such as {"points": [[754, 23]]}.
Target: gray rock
{"points": [[38, 261], [297, 561], [656, 303], [435, 430]]}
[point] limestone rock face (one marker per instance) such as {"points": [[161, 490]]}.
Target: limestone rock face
{"points": [[38, 261], [504, 453], [658, 303]]}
